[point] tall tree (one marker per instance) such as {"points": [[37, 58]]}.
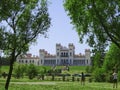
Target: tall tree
{"points": [[21, 21], [99, 20], [112, 60], [98, 55]]}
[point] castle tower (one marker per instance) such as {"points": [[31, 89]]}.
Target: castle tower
{"points": [[71, 53], [87, 57], [42, 55], [58, 47]]}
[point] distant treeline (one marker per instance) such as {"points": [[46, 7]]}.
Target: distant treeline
{"points": [[4, 61]]}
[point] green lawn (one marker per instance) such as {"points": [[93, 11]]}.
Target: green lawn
{"points": [[58, 86], [4, 68], [26, 84], [77, 69], [73, 69]]}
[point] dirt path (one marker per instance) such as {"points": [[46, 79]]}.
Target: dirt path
{"points": [[35, 83]]}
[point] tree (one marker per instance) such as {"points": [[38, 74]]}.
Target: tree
{"points": [[99, 20], [98, 55], [21, 21], [19, 70], [32, 71], [112, 60]]}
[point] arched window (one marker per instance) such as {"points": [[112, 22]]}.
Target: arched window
{"points": [[64, 54], [61, 54], [26, 61], [57, 53], [41, 61], [33, 61]]}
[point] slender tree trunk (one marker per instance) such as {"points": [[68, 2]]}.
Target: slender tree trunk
{"points": [[10, 72]]}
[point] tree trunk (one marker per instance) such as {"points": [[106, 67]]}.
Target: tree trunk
{"points": [[10, 72]]}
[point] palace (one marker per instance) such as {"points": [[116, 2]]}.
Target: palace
{"points": [[64, 56]]}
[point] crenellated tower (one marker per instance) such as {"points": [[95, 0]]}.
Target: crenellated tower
{"points": [[87, 57]]}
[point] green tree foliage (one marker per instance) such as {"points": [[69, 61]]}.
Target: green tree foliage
{"points": [[97, 63], [97, 60], [32, 71], [112, 60], [99, 20], [19, 70], [98, 55], [5, 61], [21, 21], [99, 75]]}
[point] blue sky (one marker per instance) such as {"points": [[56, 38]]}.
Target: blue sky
{"points": [[61, 31]]}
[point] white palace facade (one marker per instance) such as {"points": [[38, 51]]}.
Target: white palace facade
{"points": [[63, 56]]}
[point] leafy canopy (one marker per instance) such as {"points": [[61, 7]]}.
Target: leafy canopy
{"points": [[99, 20], [112, 60], [21, 21]]}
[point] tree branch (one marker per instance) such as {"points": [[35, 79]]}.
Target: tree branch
{"points": [[103, 25]]}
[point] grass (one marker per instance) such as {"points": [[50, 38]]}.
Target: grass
{"points": [[26, 84], [60, 86], [77, 69], [4, 68], [73, 69]]}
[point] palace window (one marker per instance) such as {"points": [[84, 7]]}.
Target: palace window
{"points": [[33, 61], [57, 53], [26, 61]]}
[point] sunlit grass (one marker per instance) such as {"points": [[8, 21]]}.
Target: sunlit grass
{"points": [[34, 84], [60, 86], [4, 68]]}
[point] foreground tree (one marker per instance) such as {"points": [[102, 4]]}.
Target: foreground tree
{"points": [[99, 20], [21, 21], [112, 62]]}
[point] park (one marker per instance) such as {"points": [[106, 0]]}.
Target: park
{"points": [[59, 82], [23, 23]]}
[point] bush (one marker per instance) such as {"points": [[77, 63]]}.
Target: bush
{"points": [[109, 77], [89, 69], [32, 71], [99, 75], [90, 79], [63, 77], [19, 70]]}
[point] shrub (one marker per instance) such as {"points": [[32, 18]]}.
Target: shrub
{"points": [[90, 79], [32, 71], [88, 69], [19, 70], [109, 77], [99, 75]]}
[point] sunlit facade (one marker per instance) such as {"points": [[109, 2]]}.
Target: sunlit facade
{"points": [[63, 56]]}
